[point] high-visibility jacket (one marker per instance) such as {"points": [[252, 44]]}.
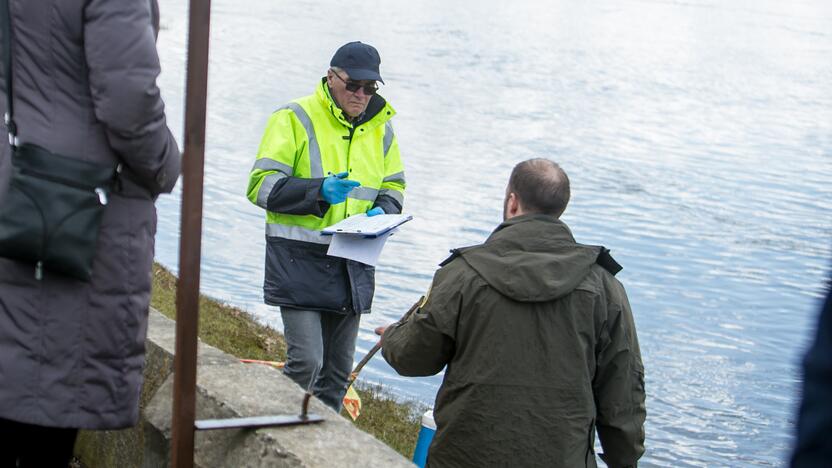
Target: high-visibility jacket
{"points": [[310, 138], [305, 141]]}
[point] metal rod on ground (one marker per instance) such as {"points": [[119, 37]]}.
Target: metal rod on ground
{"points": [[374, 349], [190, 241]]}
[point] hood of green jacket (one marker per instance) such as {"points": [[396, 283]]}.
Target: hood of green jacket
{"points": [[531, 258]]}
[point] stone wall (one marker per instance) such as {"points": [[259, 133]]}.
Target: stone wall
{"points": [[227, 389]]}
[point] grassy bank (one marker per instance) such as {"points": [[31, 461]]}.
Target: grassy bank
{"points": [[237, 333]]}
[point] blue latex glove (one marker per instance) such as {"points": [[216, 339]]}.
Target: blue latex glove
{"points": [[375, 211], [335, 188]]}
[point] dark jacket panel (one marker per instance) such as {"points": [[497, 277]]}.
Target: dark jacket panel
{"points": [[301, 275], [814, 428]]}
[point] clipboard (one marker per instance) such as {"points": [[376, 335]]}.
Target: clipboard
{"points": [[367, 226]]}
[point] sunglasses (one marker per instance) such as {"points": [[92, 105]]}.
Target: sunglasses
{"points": [[354, 86]]}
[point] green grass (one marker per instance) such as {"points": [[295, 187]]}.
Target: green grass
{"points": [[237, 333], [220, 325], [396, 424]]}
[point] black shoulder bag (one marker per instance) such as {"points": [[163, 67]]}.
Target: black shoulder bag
{"points": [[52, 210]]}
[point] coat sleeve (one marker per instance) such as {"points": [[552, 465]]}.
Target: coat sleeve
{"points": [[391, 193], [272, 184], [424, 344], [120, 49], [813, 446], [618, 385]]}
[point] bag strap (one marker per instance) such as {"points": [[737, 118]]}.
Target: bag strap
{"points": [[5, 17], [607, 262]]}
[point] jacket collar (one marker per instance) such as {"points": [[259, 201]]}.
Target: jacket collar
{"points": [[378, 110], [556, 228]]}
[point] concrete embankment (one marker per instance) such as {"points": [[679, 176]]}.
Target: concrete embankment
{"points": [[227, 389]]}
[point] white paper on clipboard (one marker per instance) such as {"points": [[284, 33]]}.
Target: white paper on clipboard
{"points": [[368, 226], [359, 248]]}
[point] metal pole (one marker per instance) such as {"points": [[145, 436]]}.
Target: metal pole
{"points": [[190, 241]]}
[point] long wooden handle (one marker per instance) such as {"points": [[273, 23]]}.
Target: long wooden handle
{"points": [[374, 349]]}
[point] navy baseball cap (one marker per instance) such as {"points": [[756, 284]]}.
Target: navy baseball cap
{"points": [[359, 60]]}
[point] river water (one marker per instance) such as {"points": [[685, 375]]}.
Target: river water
{"points": [[697, 135]]}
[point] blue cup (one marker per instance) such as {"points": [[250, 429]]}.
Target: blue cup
{"points": [[428, 429]]}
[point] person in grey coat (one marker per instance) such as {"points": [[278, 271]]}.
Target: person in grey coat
{"points": [[72, 352]]}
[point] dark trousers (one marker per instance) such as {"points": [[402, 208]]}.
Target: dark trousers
{"points": [[29, 446]]}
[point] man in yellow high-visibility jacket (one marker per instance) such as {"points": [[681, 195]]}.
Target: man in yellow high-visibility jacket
{"points": [[325, 157]]}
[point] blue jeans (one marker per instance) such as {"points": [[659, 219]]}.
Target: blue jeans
{"points": [[320, 344]]}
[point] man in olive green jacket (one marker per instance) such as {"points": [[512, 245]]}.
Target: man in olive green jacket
{"points": [[538, 339]]}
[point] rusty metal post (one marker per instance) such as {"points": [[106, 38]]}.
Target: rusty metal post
{"points": [[190, 240]]}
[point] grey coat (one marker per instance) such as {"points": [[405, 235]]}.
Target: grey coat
{"points": [[71, 353]]}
